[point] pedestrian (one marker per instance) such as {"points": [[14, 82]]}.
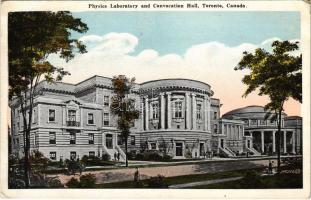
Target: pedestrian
{"points": [[118, 156], [136, 177], [115, 156], [247, 154], [270, 167], [212, 154]]}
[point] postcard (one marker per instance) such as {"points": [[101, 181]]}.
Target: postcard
{"points": [[155, 99]]}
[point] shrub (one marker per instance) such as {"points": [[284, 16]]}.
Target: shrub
{"points": [[87, 181], [157, 182], [167, 157], [139, 156], [106, 157], [73, 183]]}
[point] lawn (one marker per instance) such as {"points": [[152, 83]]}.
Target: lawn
{"points": [[178, 179]]}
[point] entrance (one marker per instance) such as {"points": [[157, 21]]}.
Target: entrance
{"points": [[202, 149], [109, 141], [222, 143], [179, 149]]}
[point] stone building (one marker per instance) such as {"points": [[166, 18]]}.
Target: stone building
{"points": [[260, 129], [178, 117]]}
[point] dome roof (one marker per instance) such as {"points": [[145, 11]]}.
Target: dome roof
{"points": [[249, 112]]}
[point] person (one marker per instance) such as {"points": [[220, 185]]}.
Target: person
{"points": [[115, 156], [247, 154], [118, 156], [270, 167], [136, 177]]}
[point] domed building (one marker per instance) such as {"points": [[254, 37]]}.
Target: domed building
{"points": [[260, 129]]}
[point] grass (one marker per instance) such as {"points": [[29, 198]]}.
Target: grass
{"points": [[179, 179]]}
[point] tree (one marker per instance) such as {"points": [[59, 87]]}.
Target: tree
{"points": [[277, 74], [32, 37], [124, 107]]}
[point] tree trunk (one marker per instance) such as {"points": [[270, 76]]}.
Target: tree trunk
{"points": [[279, 140], [126, 161], [26, 159]]}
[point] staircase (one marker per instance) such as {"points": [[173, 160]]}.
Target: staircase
{"points": [[111, 152], [227, 153], [255, 152]]}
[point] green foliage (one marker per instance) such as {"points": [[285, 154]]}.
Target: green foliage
{"points": [[157, 182], [38, 161], [73, 183], [152, 156], [123, 106], [86, 181], [106, 157]]}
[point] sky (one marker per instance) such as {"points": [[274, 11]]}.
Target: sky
{"points": [[204, 46]]}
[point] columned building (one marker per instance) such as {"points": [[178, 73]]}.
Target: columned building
{"points": [[261, 130], [178, 117]]}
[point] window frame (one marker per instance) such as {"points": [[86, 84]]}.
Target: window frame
{"points": [[178, 109], [72, 135], [49, 117], [133, 140], [91, 138], [52, 141], [106, 101], [106, 120], [51, 153], [199, 111], [92, 120]]}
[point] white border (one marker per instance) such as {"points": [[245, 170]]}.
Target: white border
{"points": [[300, 6]]}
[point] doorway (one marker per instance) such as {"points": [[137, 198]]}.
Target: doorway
{"points": [[179, 149]]}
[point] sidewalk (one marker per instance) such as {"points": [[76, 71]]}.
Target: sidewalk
{"points": [[193, 184]]}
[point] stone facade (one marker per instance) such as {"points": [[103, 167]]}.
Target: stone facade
{"points": [[178, 116]]}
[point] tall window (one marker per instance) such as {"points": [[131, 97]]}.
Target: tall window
{"points": [[199, 111], [106, 119], [52, 136], [72, 138], [155, 110], [90, 118], [132, 140], [72, 115], [215, 128], [51, 115], [91, 153], [120, 140], [91, 138], [106, 100], [215, 115], [178, 109], [53, 155], [254, 122]]}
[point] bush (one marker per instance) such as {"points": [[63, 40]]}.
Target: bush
{"points": [[87, 181], [106, 157], [139, 156], [73, 183], [157, 182]]}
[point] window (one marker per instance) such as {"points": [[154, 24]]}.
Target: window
{"points": [[215, 115], [37, 139], [106, 100], [72, 138], [153, 146], [72, 115], [17, 126], [272, 121], [262, 122], [91, 153], [120, 141], [51, 115], [215, 128], [178, 109], [155, 110], [106, 119], [52, 137], [73, 155], [53, 155], [132, 140], [199, 110], [254, 122], [91, 138], [90, 118]]}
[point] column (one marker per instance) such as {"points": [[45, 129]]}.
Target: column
{"points": [[162, 111], [262, 141], [169, 115], [228, 132], [146, 114], [273, 141], [293, 142], [205, 114], [284, 142], [194, 110], [188, 115], [208, 114], [81, 116], [222, 128], [142, 116], [64, 115]]}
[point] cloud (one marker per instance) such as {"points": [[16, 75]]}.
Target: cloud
{"points": [[211, 62]]}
